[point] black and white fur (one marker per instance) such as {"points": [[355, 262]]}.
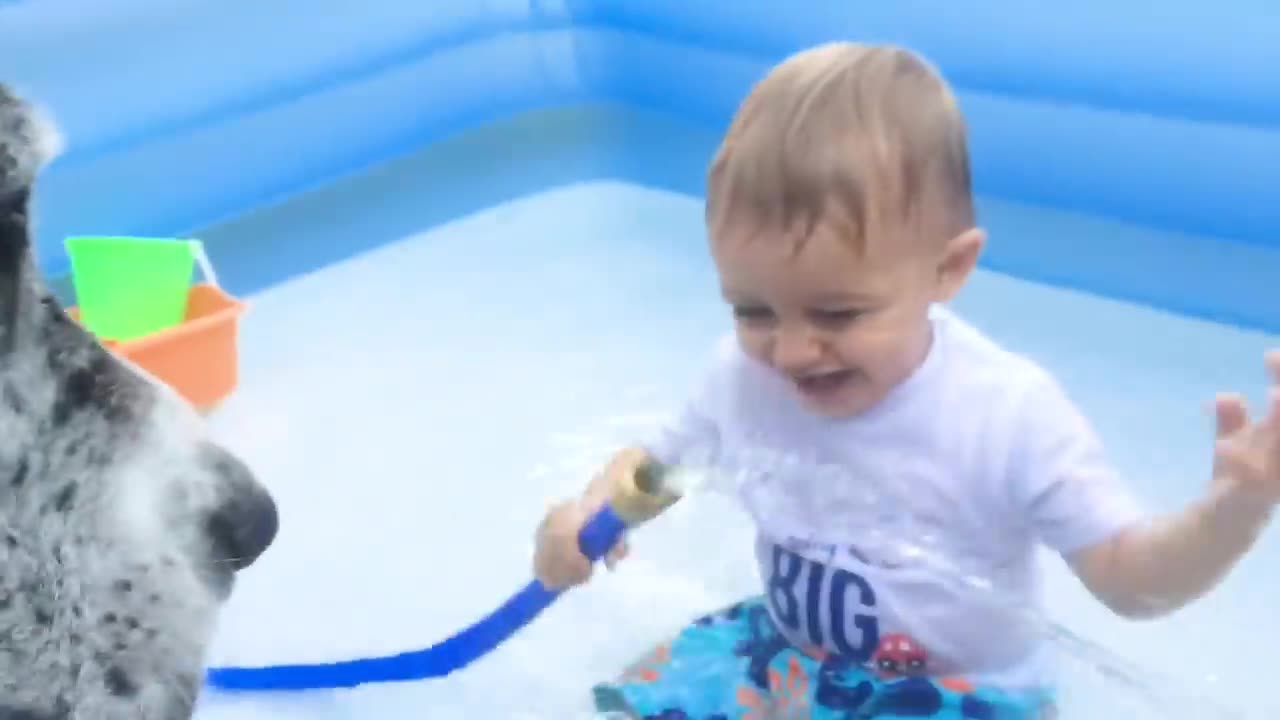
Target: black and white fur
{"points": [[121, 523]]}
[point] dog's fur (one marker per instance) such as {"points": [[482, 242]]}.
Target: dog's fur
{"points": [[121, 523]]}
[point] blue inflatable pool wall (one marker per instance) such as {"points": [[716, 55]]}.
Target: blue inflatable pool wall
{"points": [[179, 113]]}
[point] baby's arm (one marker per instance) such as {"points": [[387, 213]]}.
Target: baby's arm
{"points": [[1158, 567], [1139, 567], [1162, 566]]}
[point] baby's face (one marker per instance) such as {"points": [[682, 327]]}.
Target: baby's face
{"points": [[844, 328]]}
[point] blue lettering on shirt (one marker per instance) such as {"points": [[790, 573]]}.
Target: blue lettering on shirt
{"points": [[825, 606]]}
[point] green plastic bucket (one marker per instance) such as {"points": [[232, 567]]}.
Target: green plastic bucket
{"points": [[130, 287]]}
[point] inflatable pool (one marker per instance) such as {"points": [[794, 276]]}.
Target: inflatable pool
{"points": [[193, 111], [1149, 143]]}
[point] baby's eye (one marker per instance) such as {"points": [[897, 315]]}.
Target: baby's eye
{"points": [[834, 318], [752, 313]]}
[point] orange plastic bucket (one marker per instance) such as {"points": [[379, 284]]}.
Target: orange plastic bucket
{"points": [[198, 358]]}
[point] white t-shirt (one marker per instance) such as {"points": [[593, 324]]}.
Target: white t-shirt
{"points": [[920, 517]]}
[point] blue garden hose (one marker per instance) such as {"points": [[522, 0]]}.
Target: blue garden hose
{"points": [[630, 506]]}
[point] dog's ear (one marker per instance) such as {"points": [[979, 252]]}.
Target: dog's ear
{"points": [[28, 140], [14, 244]]}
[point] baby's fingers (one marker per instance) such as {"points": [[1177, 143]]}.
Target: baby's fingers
{"points": [[1232, 415], [618, 553], [1271, 417], [1271, 425]]}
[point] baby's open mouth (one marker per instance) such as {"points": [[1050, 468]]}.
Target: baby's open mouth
{"points": [[822, 383]]}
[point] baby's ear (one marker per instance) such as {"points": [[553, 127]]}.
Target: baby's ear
{"points": [[957, 261]]}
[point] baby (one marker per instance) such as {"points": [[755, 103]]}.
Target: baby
{"points": [[841, 220]]}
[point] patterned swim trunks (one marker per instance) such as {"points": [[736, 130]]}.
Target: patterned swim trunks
{"points": [[735, 665]]}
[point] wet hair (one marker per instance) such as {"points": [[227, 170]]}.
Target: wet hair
{"points": [[867, 137]]}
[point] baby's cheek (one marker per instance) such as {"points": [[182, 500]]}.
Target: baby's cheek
{"points": [[754, 344]]}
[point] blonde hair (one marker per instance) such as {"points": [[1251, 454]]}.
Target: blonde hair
{"points": [[869, 137]]}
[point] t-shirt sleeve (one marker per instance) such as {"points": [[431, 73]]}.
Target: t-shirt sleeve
{"points": [[688, 433], [691, 434], [1064, 483]]}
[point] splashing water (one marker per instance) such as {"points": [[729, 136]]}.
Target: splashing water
{"points": [[1098, 682]]}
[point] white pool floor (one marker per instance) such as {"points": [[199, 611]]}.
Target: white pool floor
{"points": [[415, 409]]}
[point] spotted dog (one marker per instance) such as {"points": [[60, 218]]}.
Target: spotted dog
{"points": [[122, 524]]}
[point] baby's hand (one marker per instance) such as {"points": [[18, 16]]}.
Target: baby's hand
{"points": [[558, 562], [1247, 455]]}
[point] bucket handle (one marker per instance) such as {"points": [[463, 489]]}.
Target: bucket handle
{"points": [[203, 262]]}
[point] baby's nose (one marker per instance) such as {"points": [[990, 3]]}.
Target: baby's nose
{"points": [[795, 351]]}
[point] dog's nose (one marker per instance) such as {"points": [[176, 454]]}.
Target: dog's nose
{"points": [[243, 527], [246, 521]]}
